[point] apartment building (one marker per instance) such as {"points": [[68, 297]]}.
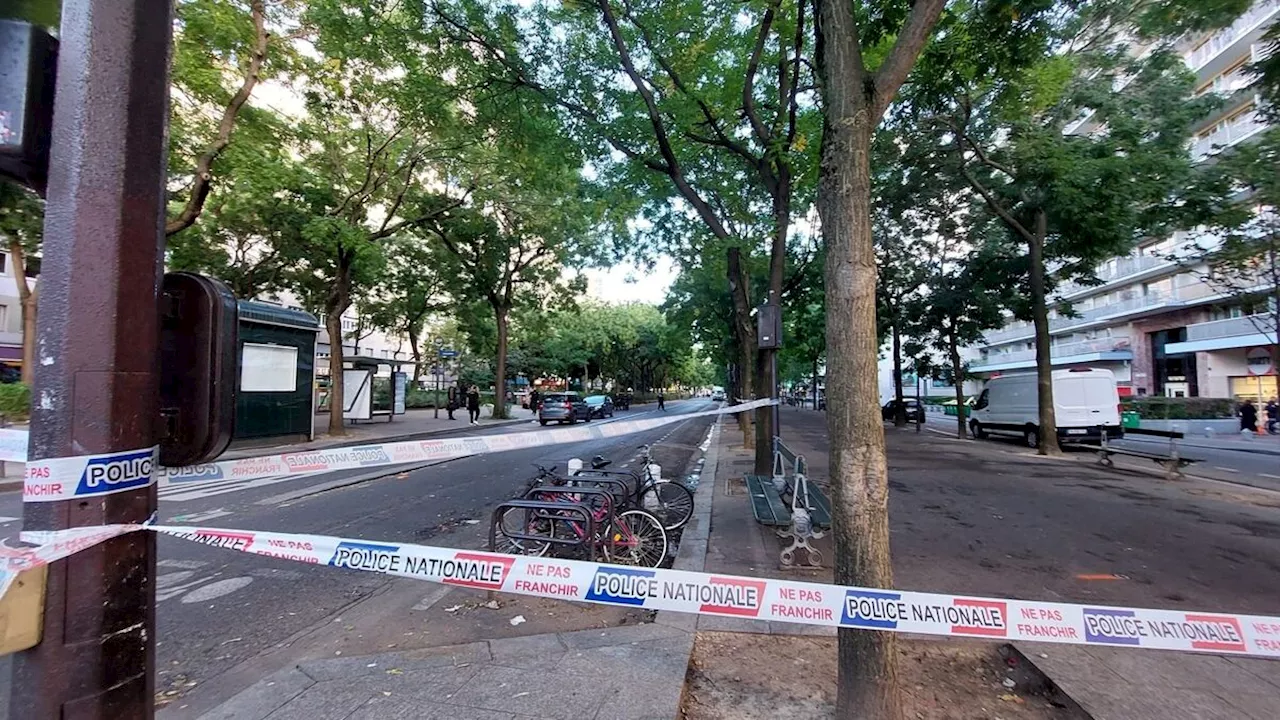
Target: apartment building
{"points": [[10, 314], [358, 337], [1158, 325]]}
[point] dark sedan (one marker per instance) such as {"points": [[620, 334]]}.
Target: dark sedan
{"points": [[914, 413], [563, 407], [601, 405]]}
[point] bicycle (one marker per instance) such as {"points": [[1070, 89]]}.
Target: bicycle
{"points": [[630, 537], [671, 502]]}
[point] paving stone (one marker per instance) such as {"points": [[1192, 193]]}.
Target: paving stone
{"points": [[401, 708], [616, 636], [520, 691], [263, 697], [537, 645], [325, 701]]}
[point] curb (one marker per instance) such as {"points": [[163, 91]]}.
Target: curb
{"points": [[1032, 679], [320, 445], [1250, 450]]}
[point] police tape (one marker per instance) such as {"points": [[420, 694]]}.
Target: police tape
{"points": [[712, 594], [76, 477]]}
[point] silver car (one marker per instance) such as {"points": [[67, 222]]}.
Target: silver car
{"points": [[563, 407]]}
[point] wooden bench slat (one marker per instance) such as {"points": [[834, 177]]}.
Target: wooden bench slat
{"points": [[766, 504]]}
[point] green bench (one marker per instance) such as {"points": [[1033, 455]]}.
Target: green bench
{"points": [[773, 507]]}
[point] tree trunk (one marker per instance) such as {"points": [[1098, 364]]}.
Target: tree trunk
{"points": [[1048, 429], [815, 384], [417, 355], [957, 379], [28, 298], [29, 303], [745, 333], [867, 685], [500, 370], [333, 324], [338, 301], [900, 412]]}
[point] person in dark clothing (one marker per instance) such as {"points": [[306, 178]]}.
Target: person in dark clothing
{"points": [[1248, 416], [534, 398], [1273, 417], [473, 404], [662, 401], [452, 403]]}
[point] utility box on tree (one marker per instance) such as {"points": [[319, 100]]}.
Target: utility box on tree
{"points": [[769, 327]]}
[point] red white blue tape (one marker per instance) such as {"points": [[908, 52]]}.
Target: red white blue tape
{"points": [[723, 595], [77, 477], [88, 475]]}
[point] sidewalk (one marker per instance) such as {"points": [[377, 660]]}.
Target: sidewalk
{"points": [[413, 424], [1107, 683], [629, 672]]}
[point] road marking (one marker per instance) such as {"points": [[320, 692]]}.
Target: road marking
{"points": [[216, 590], [199, 517], [4, 519], [181, 564], [1225, 469], [1100, 576], [1269, 475]]}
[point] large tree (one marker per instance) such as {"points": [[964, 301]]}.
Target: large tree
{"points": [[22, 228], [712, 123], [864, 54], [1074, 133]]}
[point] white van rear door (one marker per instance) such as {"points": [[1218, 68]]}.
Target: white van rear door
{"points": [[1086, 400]]}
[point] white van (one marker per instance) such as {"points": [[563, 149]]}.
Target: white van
{"points": [[1085, 403]]}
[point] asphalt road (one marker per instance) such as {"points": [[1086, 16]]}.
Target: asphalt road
{"points": [[1242, 466], [216, 609]]}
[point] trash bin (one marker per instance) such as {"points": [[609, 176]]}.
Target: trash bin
{"points": [[1130, 419], [949, 410]]}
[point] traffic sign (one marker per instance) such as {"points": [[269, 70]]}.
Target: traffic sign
{"points": [[1259, 361], [448, 353]]}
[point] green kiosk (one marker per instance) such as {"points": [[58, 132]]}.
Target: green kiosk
{"points": [[277, 353]]}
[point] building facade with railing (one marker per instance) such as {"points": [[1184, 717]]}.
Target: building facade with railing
{"points": [[1158, 324]]}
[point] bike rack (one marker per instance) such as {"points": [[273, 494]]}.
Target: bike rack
{"points": [[553, 511], [611, 508], [624, 491]]}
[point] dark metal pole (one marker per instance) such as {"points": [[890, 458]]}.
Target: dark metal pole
{"points": [[97, 381]]}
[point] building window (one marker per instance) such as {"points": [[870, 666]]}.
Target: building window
{"points": [[4, 318], [4, 263]]}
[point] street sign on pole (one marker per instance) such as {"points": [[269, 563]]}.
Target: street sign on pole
{"points": [[1259, 361], [448, 353], [98, 339]]}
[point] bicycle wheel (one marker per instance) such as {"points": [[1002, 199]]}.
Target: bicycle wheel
{"points": [[670, 502], [523, 521], [637, 539]]}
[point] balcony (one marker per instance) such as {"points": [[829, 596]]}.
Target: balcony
{"points": [[1240, 332], [1123, 267], [1228, 133], [1250, 23], [1112, 348], [1138, 304], [1231, 327]]}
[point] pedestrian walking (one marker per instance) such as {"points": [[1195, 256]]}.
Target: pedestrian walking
{"points": [[1273, 417], [473, 404], [1248, 416], [662, 401], [452, 403], [534, 398]]}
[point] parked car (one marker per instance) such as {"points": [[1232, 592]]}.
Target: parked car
{"points": [[1085, 404], [601, 405], [563, 407], [915, 413]]}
